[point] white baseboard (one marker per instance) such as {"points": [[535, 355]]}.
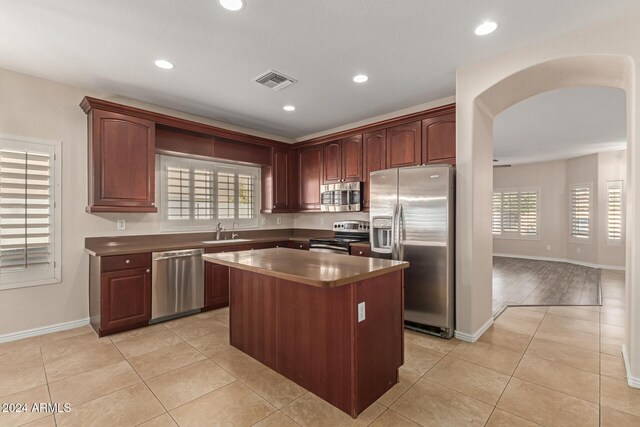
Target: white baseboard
{"points": [[632, 381], [43, 330], [462, 336], [570, 261]]}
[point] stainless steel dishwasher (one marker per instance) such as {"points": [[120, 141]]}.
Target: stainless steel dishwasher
{"points": [[177, 283]]}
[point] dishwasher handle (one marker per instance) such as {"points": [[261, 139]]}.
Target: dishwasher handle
{"points": [[178, 254]]}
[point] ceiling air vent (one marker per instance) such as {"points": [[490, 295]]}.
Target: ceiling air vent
{"points": [[274, 80]]}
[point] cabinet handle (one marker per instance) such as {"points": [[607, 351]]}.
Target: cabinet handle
{"points": [[274, 206], [360, 253], [148, 270], [128, 261], [153, 204]]}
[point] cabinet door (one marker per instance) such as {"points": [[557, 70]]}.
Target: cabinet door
{"points": [[125, 299], [216, 286], [122, 165], [299, 245], [360, 251], [404, 145], [439, 139], [310, 177], [374, 157], [332, 162], [282, 178], [352, 158]]}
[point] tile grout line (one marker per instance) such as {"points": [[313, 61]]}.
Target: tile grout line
{"points": [[514, 371], [46, 378]]}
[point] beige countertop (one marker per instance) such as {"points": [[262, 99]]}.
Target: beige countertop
{"points": [[325, 270], [121, 245]]}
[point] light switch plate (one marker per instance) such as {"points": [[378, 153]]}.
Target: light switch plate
{"points": [[361, 312], [121, 224], [279, 221], [321, 220]]}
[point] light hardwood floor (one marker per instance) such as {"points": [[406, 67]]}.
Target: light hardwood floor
{"points": [[530, 282]]}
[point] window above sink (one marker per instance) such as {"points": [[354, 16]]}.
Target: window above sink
{"points": [[197, 194]]}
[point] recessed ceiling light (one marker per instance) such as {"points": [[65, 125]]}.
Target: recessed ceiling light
{"points": [[231, 4], [485, 28], [289, 108], [360, 78], [164, 64]]}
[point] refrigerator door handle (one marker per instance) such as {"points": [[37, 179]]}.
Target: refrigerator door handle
{"points": [[394, 242], [399, 228]]}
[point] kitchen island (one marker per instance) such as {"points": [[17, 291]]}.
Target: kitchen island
{"points": [[331, 323]]}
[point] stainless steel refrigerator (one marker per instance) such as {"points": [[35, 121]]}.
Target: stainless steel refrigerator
{"points": [[412, 219]]}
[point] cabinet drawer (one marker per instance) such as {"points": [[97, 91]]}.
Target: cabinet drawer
{"points": [[251, 246], [123, 262], [299, 245], [282, 244], [220, 249], [360, 251]]}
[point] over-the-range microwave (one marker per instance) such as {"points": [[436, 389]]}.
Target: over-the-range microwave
{"points": [[341, 197]]}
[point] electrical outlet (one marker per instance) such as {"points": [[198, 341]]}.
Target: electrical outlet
{"points": [[548, 247], [279, 221], [264, 220], [121, 224], [578, 250], [361, 312], [321, 220]]}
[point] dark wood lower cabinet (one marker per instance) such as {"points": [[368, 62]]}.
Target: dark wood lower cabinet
{"points": [[360, 251], [120, 293], [299, 245], [216, 286]]}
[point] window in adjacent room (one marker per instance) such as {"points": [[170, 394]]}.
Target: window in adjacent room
{"points": [[581, 200], [30, 242], [614, 213], [515, 213], [198, 194]]}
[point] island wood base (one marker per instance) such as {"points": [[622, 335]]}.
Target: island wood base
{"points": [[312, 336]]}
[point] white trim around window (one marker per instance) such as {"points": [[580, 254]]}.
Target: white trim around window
{"points": [[30, 212], [516, 213], [197, 194]]}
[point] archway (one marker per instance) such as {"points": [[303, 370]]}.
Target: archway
{"points": [[475, 181]]}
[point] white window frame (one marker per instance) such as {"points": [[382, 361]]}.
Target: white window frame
{"points": [[572, 238], [518, 235], [165, 161], [616, 183], [52, 274]]}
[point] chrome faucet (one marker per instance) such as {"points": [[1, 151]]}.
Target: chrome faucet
{"points": [[219, 228], [233, 229]]}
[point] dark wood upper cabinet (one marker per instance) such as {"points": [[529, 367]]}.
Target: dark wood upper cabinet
{"points": [[121, 163], [404, 145], [352, 158], [374, 157], [439, 139], [332, 162], [279, 182], [311, 176], [343, 160]]}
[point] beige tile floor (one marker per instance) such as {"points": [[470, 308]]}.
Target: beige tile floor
{"points": [[557, 366]]}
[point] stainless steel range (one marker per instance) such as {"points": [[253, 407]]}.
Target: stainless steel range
{"points": [[345, 233]]}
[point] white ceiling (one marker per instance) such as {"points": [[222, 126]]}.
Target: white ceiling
{"points": [[561, 124], [410, 49]]}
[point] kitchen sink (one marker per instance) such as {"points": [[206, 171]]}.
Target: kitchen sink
{"points": [[208, 242]]}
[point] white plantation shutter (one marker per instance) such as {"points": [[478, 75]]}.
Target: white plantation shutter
{"points": [[581, 211], [246, 196], [496, 214], [515, 213], [529, 213], [614, 211], [28, 221], [196, 193]]}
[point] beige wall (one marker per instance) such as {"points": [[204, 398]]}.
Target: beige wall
{"points": [[607, 55], [554, 180], [550, 178]]}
